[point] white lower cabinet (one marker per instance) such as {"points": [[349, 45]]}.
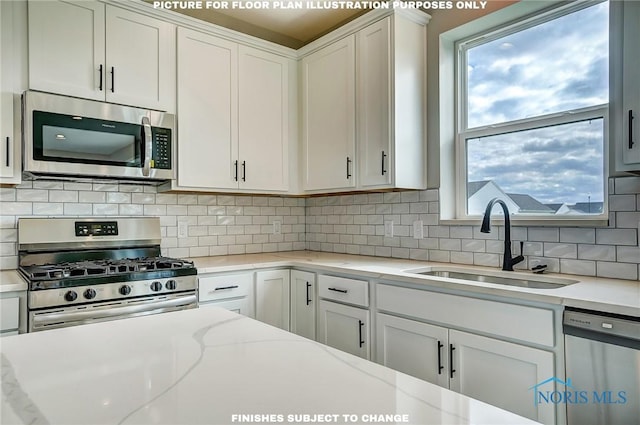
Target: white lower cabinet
{"points": [[500, 373], [231, 291], [415, 348], [489, 369], [344, 327], [303, 304], [272, 297], [9, 316]]}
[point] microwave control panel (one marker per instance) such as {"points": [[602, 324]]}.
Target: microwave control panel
{"points": [[161, 148]]}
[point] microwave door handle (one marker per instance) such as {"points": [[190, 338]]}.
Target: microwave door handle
{"points": [[148, 146]]}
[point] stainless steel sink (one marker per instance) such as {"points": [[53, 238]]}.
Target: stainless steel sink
{"points": [[537, 282]]}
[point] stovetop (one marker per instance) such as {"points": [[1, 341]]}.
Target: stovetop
{"points": [[81, 269], [101, 271]]}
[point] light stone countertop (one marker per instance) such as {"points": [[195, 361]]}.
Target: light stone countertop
{"points": [[595, 293], [203, 366], [10, 280]]}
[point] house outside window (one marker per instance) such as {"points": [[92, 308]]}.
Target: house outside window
{"points": [[532, 115]]}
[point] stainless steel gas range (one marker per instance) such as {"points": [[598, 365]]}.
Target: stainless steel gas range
{"points": [[84, 270]]}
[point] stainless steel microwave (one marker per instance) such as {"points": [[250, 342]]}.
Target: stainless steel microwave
{"points": [[65, 136]]}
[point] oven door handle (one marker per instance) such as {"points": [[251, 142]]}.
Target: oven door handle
{"points": [[151, 306], [147, 146]]}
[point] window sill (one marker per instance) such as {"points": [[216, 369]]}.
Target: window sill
{"points": [[530, 222]]}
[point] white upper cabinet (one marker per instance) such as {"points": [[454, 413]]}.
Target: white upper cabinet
{"points": [[233, 116], [9, 146], [207, 111], [631, 86], [328, 117], [263, 120], [96, 51], [363, 105]]}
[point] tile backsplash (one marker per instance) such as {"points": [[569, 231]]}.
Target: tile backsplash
{"points": [[354, 224], [236, 224], [217, 224]]}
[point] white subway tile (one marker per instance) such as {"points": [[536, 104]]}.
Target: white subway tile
{"points": [[276, 202], [131, 209], [166, 198], [624, 185], [187, 199], [77, 186], [560, 250], [63, 196], [196, 210], [118, 198], [45, 184], [462, 257], [597, 252], [206, 199], [48, 208], [92, 197], [226, 200], [143, 198], [220, 250], [155, 209], [627, 220], [617, 270], [578, 235], [542, 234], [439, 256], [106, 209], [105, 187], [622, 202], [628, 254], [581, 267], [33, 195], [616, 237], [486, 259], [473, 245], [77, 209], [7, 194]]}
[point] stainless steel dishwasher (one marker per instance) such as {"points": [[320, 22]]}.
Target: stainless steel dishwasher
{"points": [[602, 353]]}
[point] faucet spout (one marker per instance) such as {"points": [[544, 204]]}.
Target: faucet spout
{"points": [[507, 261]]}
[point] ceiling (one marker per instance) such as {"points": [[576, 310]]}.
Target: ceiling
{"points": [[288, 27]]}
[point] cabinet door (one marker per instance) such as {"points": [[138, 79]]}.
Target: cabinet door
{"points": [[7, 142], [328, 122], [9, 314], [501, 373], [343, 327], [140, 60], [374, 104], [272, 298], [239, 305], [631, 92], [207, 111], [303, 304], [263, 120], [227, 288], [67, 47], [414, 348]]}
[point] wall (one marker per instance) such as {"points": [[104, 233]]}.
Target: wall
{"points": [[218, 224], [354, 224]]}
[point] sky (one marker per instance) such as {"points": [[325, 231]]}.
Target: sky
{"points": [[553, 67]]}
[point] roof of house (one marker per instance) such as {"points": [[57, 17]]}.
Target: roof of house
{"points": [[593, 207], [555, 207], [473, 187], [528, 203]]}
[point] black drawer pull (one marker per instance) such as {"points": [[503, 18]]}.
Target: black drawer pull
{"points": [[308, 298], [631, 117], [440, 367], [451, 369], [342, 291], [100, 85], [113, 78], [383, 157], [348, 168], [8, 152], [360, 325], [221, 288]]}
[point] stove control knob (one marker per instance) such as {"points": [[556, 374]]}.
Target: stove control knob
{"points": [[125, 290], [70, 296], [90, 293], [171, 284], [156, 286]]}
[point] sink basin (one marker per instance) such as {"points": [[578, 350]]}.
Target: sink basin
{"points": [[500, 278]]}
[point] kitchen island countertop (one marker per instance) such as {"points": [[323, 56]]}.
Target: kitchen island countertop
{"points": [[211, 366]]}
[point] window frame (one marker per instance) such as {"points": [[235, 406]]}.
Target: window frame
{"points": [[462, 133]]}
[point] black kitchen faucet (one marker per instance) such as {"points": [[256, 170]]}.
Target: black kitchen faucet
{"points": [[507, 261]]}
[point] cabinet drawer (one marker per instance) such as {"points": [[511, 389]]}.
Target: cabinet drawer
{"points": [[529, 324], [223, 287], [350, 291], [9, 314]]}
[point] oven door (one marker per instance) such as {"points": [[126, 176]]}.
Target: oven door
{"points": [[68, 136], [63, 317]]}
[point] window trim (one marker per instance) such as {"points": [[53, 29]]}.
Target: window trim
{"points": [[462, 133]]}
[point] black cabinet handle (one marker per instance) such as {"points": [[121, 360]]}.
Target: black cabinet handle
{"points": [[100, 85], [440, 367], [342, 291], [235, 165], [631, 128], [383, 157], [451, 369], [360, 325], [244, 171], [220, 288], [8, 151], [113, 78], [308, 299], [348, 168]]}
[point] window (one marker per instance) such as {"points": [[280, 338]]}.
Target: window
{"points": [[533, 115]]}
